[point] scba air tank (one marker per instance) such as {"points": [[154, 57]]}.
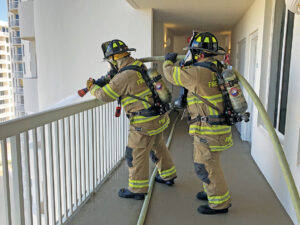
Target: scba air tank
{"points": [[159, 85], [236, 95]]}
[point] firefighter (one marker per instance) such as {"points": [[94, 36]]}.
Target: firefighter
{"points": [[146, 126], [209, 140]]}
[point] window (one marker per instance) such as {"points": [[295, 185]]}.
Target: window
{"points": [[280, 64], [19, 51]]}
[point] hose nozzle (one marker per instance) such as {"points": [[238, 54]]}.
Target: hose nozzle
{"points": [[82, 92]]}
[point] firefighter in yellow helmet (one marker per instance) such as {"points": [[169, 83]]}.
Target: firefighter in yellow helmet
{"points": [[204, 102], [129, 87]]}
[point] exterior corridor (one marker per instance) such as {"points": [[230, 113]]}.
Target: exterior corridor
{"points": [[253, 201]]}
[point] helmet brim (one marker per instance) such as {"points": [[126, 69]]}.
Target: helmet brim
{"points": [[125, 50], [220, 51]]}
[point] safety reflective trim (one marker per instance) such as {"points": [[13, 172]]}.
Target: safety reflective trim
{"points": [[168, 62], [221, 148], [138, 63], [159, 130], [213, 99], [214, 40], [219, 199], [121, 43], [96, 87], [142, 119], [204, 188], [143, 95], [115, 45], [138, 183], [176, 76], [213, 130], [198, 39], [146, 104], [167, 173], [107, 89], [206, 40]]}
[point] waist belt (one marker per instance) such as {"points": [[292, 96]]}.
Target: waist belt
{"points": [[212, 120], [144, 112]]}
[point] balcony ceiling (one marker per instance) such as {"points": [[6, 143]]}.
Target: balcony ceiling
{"points": [[210, 15]]}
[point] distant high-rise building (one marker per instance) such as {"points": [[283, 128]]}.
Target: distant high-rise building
{"points": [[17, 53], [6, 93]]}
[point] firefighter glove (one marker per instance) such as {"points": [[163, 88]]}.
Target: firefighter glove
{"points": [[171, 56], [89, 83]]}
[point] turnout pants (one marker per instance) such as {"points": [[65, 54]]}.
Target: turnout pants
{"points": [[137, 155], [208, 168]]}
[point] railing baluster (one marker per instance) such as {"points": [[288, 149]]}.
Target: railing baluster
{"points": [[74, 163], [19, 216], [83, 174], [106, 138], [95, 148], [62, 153], [98, 145], [79, 158], [36, 176], [101, 134], [89, 149], [92, 150], [69, 162], [6, 189], [28, 177], [78, 162], [111, 137], [57, 169], [52, 208], [44, 172]]}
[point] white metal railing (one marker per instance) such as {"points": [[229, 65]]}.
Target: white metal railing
{"points": [[6, 34], [14, 23], [17, 57], [53, 161], [13, 5], [19, 90], [15, 40], [18, 74]]}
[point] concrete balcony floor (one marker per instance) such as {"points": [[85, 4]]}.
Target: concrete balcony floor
{"points": [[253, 201]]}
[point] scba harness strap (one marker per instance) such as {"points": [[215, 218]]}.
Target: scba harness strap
{"points": [[226, 117], [159, 108]]}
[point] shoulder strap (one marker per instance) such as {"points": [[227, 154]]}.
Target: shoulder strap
{"points": [[147, 79], [207, 102], [215, 68]]}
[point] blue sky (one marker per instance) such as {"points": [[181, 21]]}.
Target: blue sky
{"points": [[3, 10]]}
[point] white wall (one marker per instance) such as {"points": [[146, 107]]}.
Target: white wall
{"points": [[68, 38], [292, 136], [260, 18]]}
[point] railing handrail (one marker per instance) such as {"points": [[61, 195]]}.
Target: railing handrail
{"points": [[19, 125]]}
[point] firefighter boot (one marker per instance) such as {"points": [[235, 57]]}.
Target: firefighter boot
{"points": [[167, 182], [205, 209], [202, 195], [125, 193]]}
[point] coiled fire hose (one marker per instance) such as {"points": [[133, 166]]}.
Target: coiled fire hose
{"points": [[294, 194]]}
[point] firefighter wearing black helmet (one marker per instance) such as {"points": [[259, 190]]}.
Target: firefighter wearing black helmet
{"points": [[145, 137], [209, 140]]}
